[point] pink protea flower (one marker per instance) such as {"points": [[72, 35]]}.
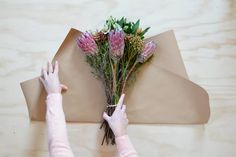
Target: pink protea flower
{"points": [[87, 43], [116, 43], [148, 51]]}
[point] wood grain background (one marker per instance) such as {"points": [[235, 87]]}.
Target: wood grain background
{"points": [[31, 32]]}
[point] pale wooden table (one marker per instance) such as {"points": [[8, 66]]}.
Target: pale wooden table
{"points": [[31, 31]]}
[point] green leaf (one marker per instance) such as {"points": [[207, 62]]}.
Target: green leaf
{"points": [[144, 31], [121, 21], [128, 28], [135, 27]]}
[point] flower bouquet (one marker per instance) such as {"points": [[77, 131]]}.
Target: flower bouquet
{"points": [[115, 53]]}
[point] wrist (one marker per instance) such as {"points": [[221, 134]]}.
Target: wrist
{"points": [[124, 136], [53, 93], [121, 134]]}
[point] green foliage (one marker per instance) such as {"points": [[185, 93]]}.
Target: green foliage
{"points": [[128, 27], [131, 27]]}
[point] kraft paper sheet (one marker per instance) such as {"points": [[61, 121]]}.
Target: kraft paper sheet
{"points": [[162, 92]]}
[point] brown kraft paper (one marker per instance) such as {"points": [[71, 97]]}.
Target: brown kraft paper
{"points": [[162, 92]]}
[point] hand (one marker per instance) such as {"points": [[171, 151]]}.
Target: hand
{"points": [[50, 79], [118, 122]]}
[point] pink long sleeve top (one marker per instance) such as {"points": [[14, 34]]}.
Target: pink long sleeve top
{"points": [[58, 144]]}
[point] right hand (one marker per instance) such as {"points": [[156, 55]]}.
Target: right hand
{"points": [[118, 122]]}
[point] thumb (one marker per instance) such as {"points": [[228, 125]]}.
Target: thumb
{"points": [[41, 79], [64, 87], [106, 117]]}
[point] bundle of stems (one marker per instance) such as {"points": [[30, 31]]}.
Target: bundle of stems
{"points": [[115, 53]]}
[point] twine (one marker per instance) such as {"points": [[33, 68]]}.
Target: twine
{"points": [[111, 105]]}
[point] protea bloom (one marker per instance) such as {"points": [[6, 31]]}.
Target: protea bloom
{"points": [[87, 43], [147, 52], [116, 43]]}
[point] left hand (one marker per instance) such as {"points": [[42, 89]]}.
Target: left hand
{"points": [[50, 79]]}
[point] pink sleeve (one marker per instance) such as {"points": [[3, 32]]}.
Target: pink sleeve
{"points": [[125, 147], [58, 143]]}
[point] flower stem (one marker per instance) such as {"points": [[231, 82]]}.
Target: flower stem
{"points": [[127, 76]]}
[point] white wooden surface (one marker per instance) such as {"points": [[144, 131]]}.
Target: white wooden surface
{"points": [[31, 32]]}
